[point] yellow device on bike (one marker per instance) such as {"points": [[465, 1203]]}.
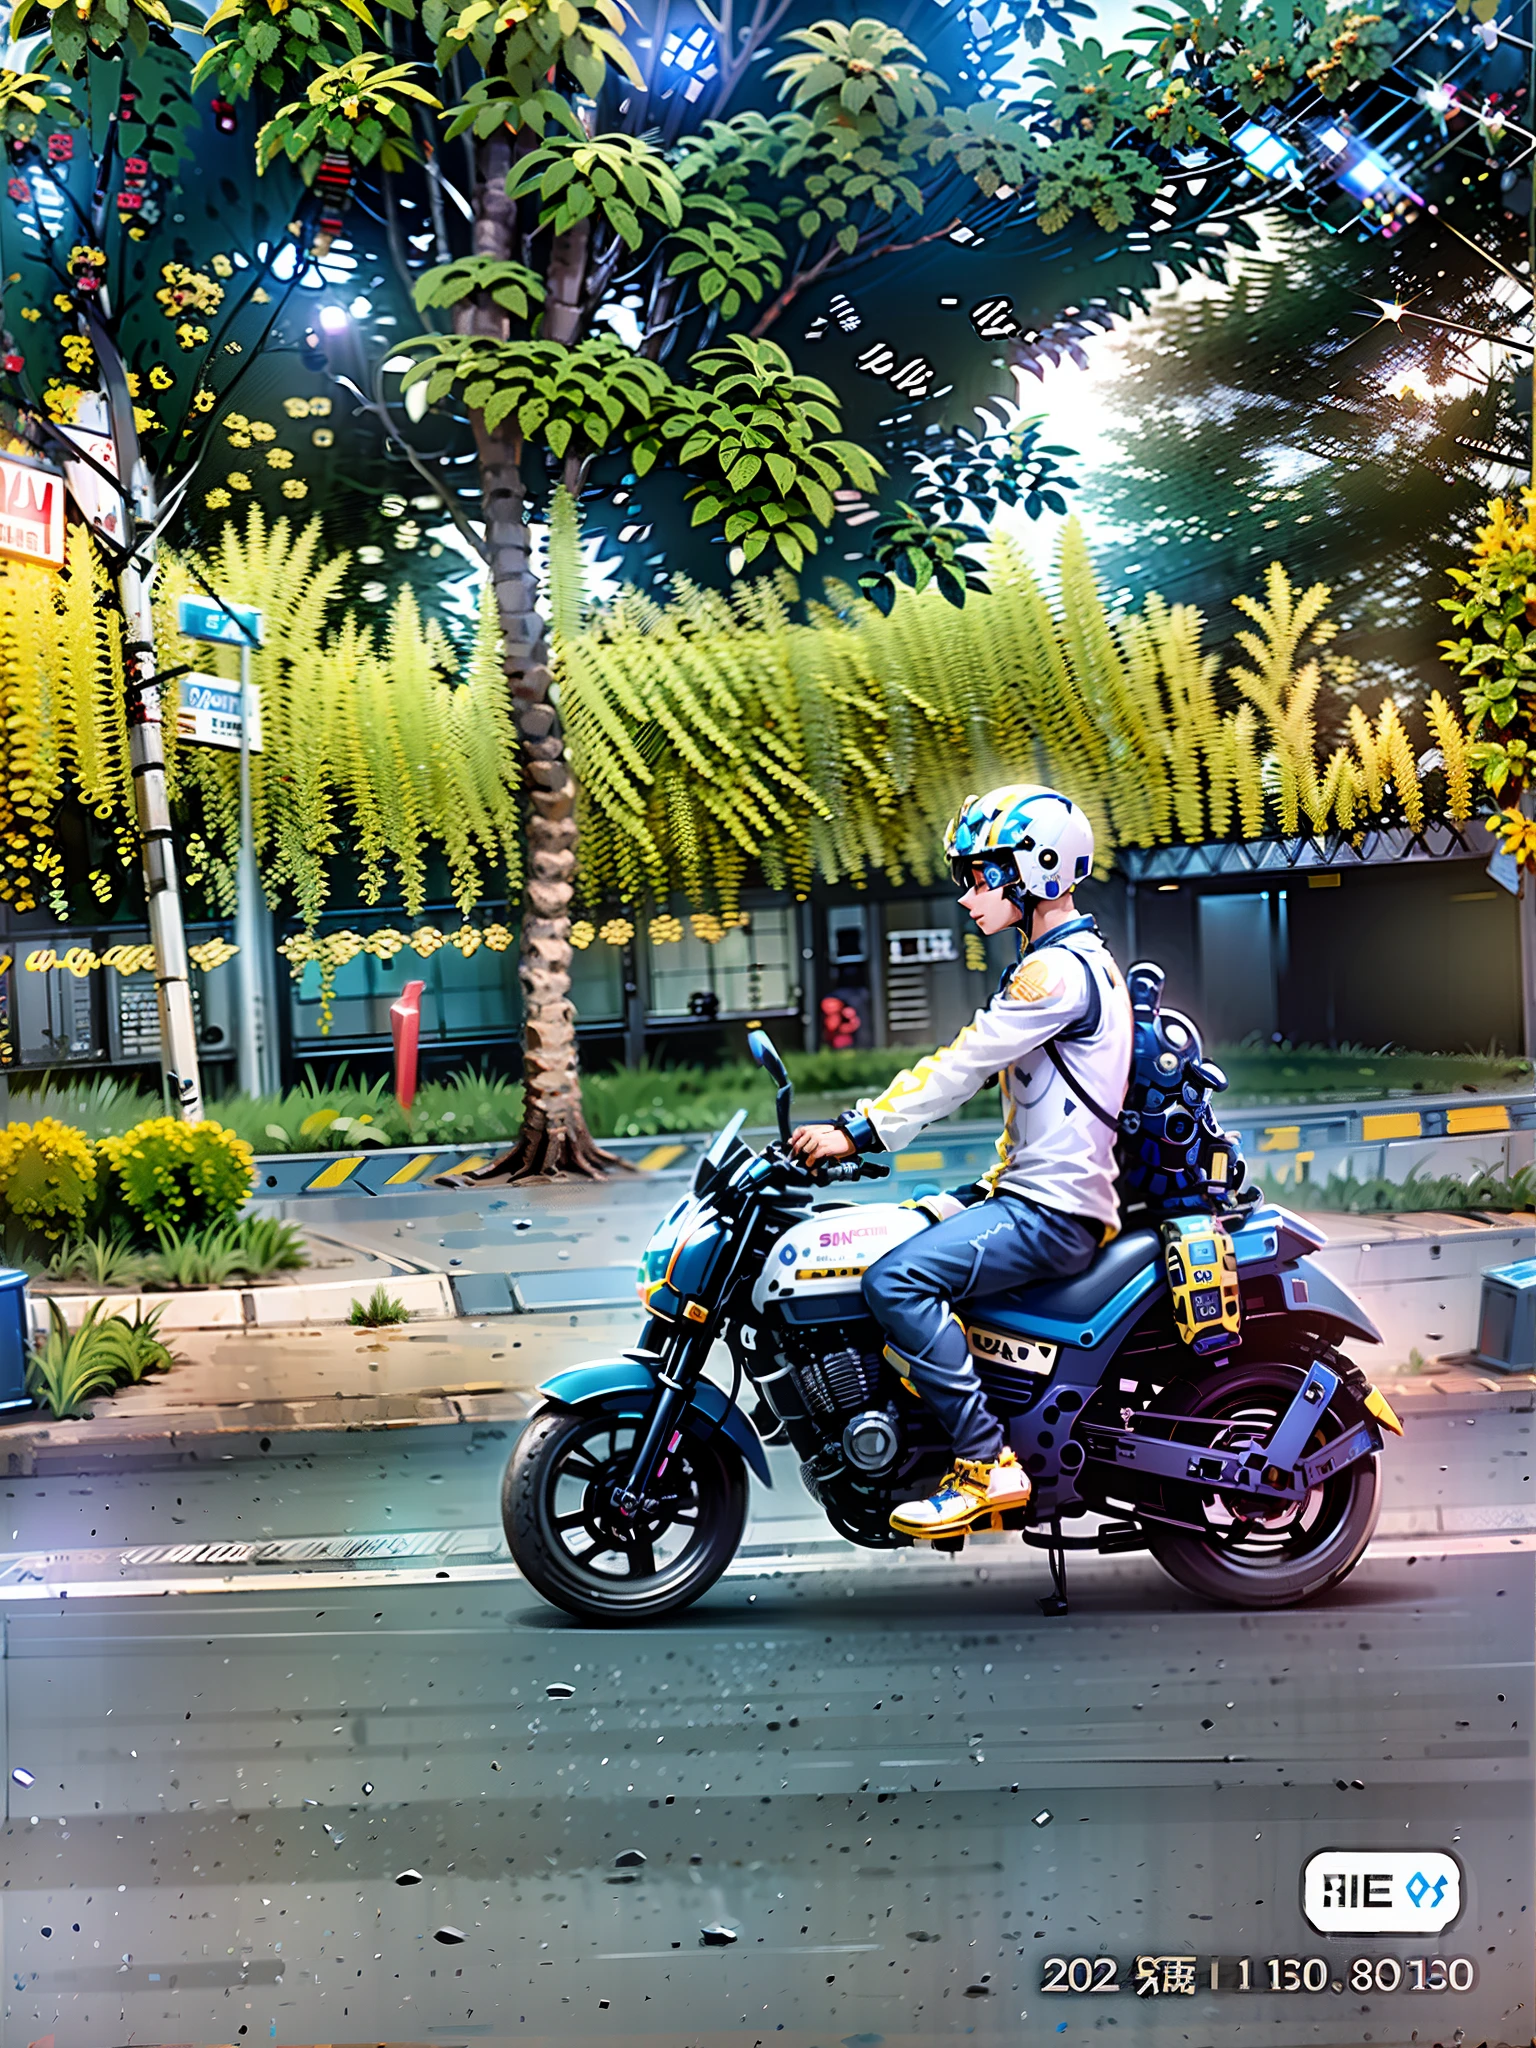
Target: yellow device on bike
{"points": [[1201, 1263]]}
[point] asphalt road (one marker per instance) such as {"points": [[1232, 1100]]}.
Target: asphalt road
{"points": [[820, 1759]]}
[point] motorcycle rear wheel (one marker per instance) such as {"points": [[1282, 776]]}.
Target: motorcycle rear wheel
{"points": [[576, 1550], [1277, 1561]]}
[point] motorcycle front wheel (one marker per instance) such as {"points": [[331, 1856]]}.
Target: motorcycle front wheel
{"points": [[1278, 1558], [574, 1547]]}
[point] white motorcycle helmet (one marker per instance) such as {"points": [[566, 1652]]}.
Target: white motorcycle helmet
{"points": [[1032, 842]]}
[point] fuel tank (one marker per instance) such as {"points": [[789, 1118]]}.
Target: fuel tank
{"points": [[815, 1271]]}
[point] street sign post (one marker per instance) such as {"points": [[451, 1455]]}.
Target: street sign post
{"points": [[226, 625], [222, 715], [210, 714]]}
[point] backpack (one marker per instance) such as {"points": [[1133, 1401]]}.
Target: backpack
{"points": [[1172, 1156]]}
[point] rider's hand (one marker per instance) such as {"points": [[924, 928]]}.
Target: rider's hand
{"points": [[815, 1144]]}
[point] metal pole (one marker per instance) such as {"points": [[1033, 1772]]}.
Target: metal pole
{"points": [[250, 1036], [179, 1071], [146, 754]]}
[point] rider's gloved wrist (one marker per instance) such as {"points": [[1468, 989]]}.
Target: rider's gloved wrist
{"points": [[859, 1131]]}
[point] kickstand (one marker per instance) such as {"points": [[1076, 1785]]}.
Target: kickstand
{"points": [[1055, 1602]]}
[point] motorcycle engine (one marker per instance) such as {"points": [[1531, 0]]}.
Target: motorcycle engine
{"points": [[835, 1383]]}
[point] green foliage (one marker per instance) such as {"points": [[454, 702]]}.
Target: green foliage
{"points": [[749, 424], [97, 1106], [964, 473], [856, 79], [984, 141], [620, 181], [201, 1258], [103, 1258], [143, 1349], [512, 286], [1486, 1189], [78, 28], [1094, 91], [589, 394], [387, 745], [268, 1246], [268, 46], [1496, 657], [254, 1246], [916, 550], [176, 1176], [379, 1312], [340, 1112], [1099, 109], [520, 45], [362, 106], [1081, 174], [28, 97], [68, 1366], [730, 258], [47, 1177], [1354, 1073], [709, 732]]}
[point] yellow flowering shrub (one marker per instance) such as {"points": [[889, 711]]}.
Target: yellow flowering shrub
{"points": [[47, 1176], [178, 1176]]}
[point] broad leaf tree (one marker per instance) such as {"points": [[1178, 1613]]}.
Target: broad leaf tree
{"points": [[671, 212]]}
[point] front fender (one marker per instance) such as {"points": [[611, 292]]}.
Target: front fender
{"points": [[593, 1386], [1309, 1290]]}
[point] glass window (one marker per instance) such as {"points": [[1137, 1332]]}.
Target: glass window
{"points": [[597, 983], [473, 998], [746, 970]]}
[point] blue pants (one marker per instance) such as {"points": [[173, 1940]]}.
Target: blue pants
{"points": [[999, 1244]]}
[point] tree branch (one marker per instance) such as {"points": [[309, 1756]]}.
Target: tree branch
{"points": [[378, 410]]}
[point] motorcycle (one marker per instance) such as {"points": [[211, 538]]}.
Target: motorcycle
{"points": [[1253, 1481]]}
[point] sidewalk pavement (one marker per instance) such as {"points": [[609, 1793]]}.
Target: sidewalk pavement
{"points": [[251, 1393], [278, 1367]]}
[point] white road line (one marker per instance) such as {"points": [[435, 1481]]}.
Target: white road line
{"points": [[1427, 1549]]}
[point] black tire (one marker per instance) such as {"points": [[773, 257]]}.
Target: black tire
{"points": [[1279, 1561], [576, 1551]]}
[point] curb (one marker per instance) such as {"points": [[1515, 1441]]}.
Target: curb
{"points": [[253, 1431], [261, 1308]]}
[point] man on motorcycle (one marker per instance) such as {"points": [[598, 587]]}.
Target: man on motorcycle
{"points": [[1058, 1034]]}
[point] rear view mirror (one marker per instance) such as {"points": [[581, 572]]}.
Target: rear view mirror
{"points": [[765, 1054]]}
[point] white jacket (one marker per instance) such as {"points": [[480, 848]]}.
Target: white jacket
{"points": [[1053, 1149]]}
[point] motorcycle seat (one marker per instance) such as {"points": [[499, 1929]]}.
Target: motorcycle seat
{"points": [[1076, 1302]]}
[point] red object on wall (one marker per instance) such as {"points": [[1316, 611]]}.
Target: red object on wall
{"points": [[405, 1029], [840, 1023]]}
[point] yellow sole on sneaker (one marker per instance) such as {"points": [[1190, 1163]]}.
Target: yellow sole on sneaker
{"points": [[954, 1525]]}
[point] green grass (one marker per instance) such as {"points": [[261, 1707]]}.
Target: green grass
{"points": [[252, 1247], [1309, 1073], [649, 1101], [379, 1311], [105, 1352], [1342, 1193]]}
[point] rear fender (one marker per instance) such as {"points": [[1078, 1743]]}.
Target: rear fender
{"points": [[1312, 1292], [597, 1385]]}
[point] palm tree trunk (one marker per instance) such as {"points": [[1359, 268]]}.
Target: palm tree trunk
{"points": [[554, 1138]]}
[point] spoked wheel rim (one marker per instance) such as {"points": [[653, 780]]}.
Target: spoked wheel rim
{"points": [[1255, 1534], [580, 1552], [1252, 1552]]}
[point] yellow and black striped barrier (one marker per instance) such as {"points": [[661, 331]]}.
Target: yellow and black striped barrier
{"points": [[381, 1170], [1275, 1142]]}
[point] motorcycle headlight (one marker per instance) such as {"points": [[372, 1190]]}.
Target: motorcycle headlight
{"points": [[657, 1256]]}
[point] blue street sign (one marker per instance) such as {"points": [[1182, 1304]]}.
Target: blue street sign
{"points": [[199, 618]]}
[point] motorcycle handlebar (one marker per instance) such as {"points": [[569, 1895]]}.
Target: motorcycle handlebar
{"points": [[854, 1169]]}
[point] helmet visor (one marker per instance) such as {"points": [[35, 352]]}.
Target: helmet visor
{"points": [[985, 871]]}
